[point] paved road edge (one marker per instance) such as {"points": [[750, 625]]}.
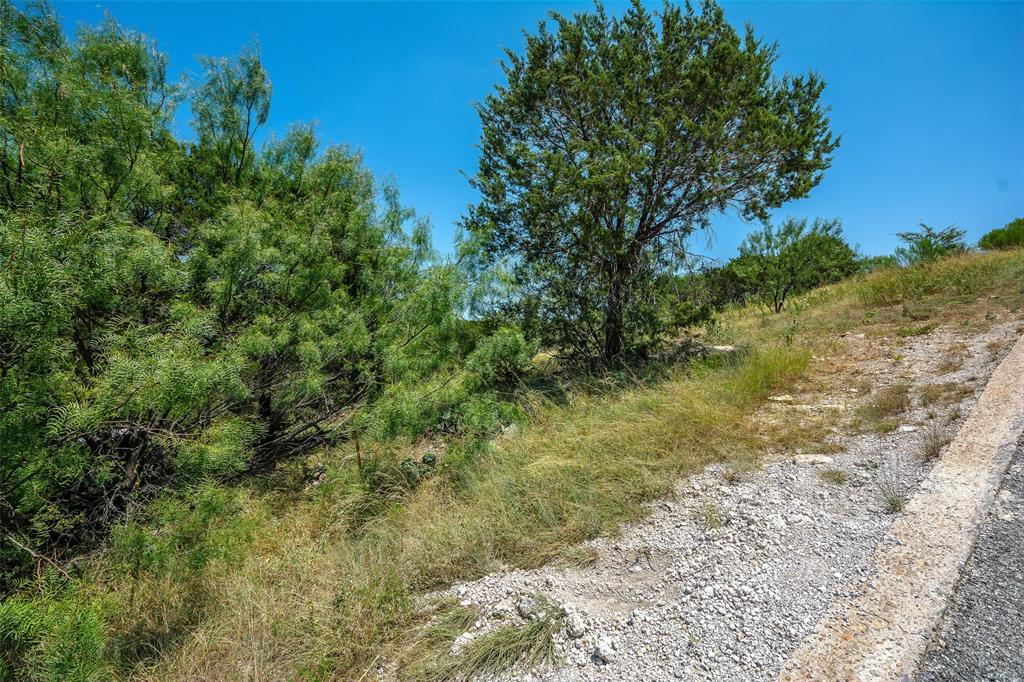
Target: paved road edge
{"points": [[882, 633]]}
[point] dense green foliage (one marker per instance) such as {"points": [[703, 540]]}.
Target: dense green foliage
{"points": [[612, 141], [177, 311], [787, 259], [873, 263], [928, 244], [1009, 236]]}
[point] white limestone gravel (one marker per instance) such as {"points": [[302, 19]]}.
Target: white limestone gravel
{"points": [[674, 598]]}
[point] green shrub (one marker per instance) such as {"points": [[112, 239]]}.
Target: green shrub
{"points": [[499, 359], [927, 244], [1009, 236], [873, 263], [52, 634]]}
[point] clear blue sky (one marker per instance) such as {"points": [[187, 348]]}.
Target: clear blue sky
{"points": [[929, 97]]}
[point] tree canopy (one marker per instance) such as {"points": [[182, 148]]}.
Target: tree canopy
{"points": [[612, 140], [779, 261]]}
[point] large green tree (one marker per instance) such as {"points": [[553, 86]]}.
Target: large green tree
{"points": [[612, 140]]}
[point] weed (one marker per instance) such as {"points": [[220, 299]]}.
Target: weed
{"points": [[953, 358], [809, 433], [916, 331], [791, 331], [579, 556], [745, 464], [918, 314], [834, 476], [934, 440], [430, 643], [881, 411], [894, 500], [731, 476], [945, 393], [891, 487], [885, 425], [996, 347], [710, 516]]}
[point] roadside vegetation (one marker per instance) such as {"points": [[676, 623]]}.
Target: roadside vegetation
{"points": [[309, 570], [250, 426]]}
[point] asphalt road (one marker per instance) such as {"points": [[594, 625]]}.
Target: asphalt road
{"points": [[981, 636]]}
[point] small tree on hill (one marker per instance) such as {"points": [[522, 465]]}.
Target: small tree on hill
{"points": [[929, 244], [613, 140], [788, 259]]}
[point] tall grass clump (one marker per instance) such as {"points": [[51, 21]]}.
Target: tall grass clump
{"points": [[527, 645]]}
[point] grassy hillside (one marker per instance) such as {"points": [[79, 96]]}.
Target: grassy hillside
{"points": [[314, 571]]}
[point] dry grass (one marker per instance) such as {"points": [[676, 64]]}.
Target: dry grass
{"points": [[916, 331], [834, 476], [959, 279], [997, 347], [806, 432], [891, 486], [882, 410], [429, 644], [919, 313], [953, 358], [522, 645], [579, 556], [934, 440], [944, 393], [327, 589]]}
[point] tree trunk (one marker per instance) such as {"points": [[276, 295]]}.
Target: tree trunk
{"points": [[613, 324]]}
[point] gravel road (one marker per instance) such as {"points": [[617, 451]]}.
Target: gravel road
{"points": [[981, 637]]}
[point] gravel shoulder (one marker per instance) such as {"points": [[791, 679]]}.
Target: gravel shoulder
{"points": [[725, 580], [883, 632], [981, 636]]}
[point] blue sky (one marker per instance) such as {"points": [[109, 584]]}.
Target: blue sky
{"points": [[929, 97]]}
